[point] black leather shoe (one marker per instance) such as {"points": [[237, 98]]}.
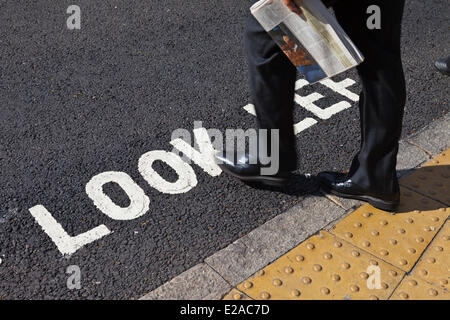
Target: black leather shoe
{"points": [[249, 171], [443, 65], [341, 185]]}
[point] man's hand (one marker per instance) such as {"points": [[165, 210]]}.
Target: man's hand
{"points": [[293, 6]]}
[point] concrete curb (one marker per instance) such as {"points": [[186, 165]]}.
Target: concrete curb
{"points": [[198, 283], [241, 259]]}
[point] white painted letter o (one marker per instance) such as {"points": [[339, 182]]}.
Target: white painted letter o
{"points": [[186, 175], [139, 202]]}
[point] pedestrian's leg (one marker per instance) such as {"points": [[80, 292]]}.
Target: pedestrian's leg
{"points": [[272, 84], [382, 99]]}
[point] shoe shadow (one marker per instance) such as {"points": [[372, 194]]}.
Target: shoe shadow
{"points": [[299, 185], [424, 189]]}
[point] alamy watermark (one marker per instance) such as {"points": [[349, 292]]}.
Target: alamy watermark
{"points": [[374, 279], [260, 146], [74, 20], [374, 20], [74, 279]]}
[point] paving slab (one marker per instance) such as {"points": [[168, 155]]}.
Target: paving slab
{"points": [[409, 157], [432, 179], [247, 255], [198, 283], [434, 265], [434, 138], [323, 267], [412, 288], [398, 238]]}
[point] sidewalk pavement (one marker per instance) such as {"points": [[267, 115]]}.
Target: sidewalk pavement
{"points": [[334, 248]]}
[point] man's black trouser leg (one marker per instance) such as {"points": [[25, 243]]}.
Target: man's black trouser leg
{"points": [[272, 82], [383, 95]]}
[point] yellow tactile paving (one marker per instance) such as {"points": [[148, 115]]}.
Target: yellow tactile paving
{"points": [[397, 238], [414, 288], [236, 295], [434, 265], [343, 264], [324, 267], [433, 179]]}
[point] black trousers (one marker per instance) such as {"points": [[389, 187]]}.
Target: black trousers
{"points": [[382, 100]]}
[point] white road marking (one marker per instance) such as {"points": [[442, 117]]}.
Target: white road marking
{"points": [[250, 108], [298, 127], [307, 102], [304, 124], [341, 87], [205, 158], [139, 202], [66, 244], [324, 114], [300, 83], [187, 178]]}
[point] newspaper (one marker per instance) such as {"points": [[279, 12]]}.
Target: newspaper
{"points": [[314, 42]]}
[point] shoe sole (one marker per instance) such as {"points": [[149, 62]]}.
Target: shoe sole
{"points": [[377, 203], [266, 180]]}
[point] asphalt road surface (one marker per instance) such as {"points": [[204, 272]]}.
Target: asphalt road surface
{"points": [[77, 104]]}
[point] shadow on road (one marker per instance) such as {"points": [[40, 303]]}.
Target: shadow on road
{"points": [[423, 189], [299, 185]]}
